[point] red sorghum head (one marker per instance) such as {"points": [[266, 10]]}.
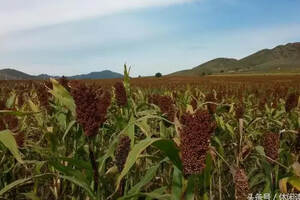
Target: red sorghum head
{"points": [[64, 82], [20, 138], [298, 142], [166, 105], [121, 96], [271, 145], [2, 105], [210, 97], [11, 121], [91, 106], [194, 103], [122, 152], [2, 125], [195, 136], [239, 111], [291, 102], [241, 184], [43, 95]]}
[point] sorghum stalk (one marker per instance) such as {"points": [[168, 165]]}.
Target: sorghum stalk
{"points": [[94, 165], [121, 157], [91, 109]]}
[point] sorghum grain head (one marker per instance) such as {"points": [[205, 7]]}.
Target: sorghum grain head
{"points": [[121, 96], [122, 152], [239, 111], [91, 106], [166, 105], [43, 95], [64, 82], [195, 136], [2, 125], [49, 85], [271, 145], [262, 103], [2, 105], [291, 102], [11, 122], [241, 185], [194, 103], [210, 97], [20, 138]]}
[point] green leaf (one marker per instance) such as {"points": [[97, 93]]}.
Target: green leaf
{"points": [[230, 129], [257, 179], [177, 184], [13, 184], [190, 191], [70, 171], [130, 131], [63, 96], [31, 195], [16, 113], [170, 149], [20, 182], [145, 128], [133, 156], [68, 129], [260, 150], [10, 101], [8, 140], [108, 154], [146, 179], [81, 184], [36, 109], [295, 182], [157, 194]]}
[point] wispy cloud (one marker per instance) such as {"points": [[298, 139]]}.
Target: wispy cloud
{"points": [[23, 14]]}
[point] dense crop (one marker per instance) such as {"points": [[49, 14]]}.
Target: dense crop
{"points": [[162, 138]]}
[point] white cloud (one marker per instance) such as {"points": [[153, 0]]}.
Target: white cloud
{"points": [[23, 14]]}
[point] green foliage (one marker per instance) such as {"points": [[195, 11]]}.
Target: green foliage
{"points": [[58, 161]]}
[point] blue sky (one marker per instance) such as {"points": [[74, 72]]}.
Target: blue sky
{"points": [[66, 37]]}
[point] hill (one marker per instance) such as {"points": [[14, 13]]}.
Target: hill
{"points": [[98, 75], [283, 58], [12, 74]]}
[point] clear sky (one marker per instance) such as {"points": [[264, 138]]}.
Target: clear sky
{"points": [[67, 37]]}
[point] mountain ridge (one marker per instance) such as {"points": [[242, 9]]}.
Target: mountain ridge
{"points": [[282, 58], [12, 74]]}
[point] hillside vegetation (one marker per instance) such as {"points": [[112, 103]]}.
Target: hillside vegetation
{"points": [[283, 58]]}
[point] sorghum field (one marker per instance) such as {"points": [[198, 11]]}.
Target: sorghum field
{"points": [[212, 137]]}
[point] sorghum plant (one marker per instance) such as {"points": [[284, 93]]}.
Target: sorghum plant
{"points": [[291, 102], [195, 139], [271, 145], [166, 105], [122, 152], [120, 92], [91, 106], [241, 184]]}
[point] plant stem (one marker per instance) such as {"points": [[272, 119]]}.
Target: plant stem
{"points": [[94, 165]]}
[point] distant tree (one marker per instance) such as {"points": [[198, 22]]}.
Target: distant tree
{"points": [[140, 76], [222, 71], [158, 74], [203, 73]]}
